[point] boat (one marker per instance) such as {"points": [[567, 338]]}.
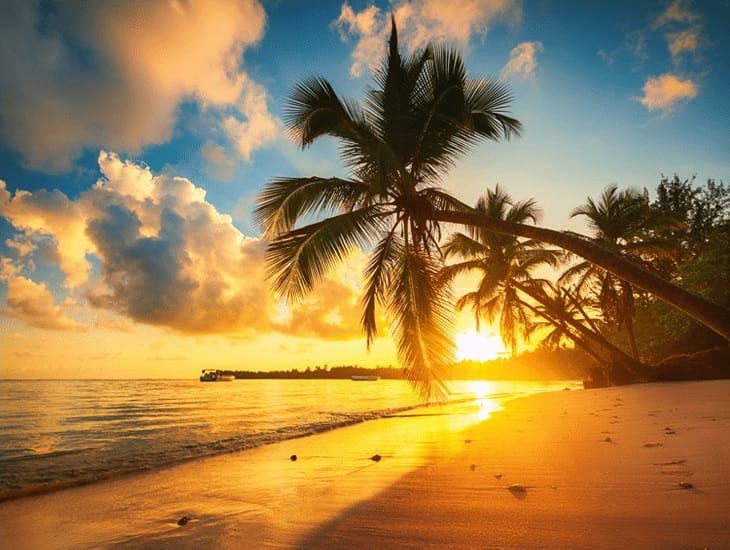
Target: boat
{"points": [[215, 375], [365, 378]]}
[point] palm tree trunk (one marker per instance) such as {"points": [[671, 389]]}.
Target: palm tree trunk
{"points": [[623, 364], [709, 313]]}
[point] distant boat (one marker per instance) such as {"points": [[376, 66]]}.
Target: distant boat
{"points": [[215, 375], [365, 378]]}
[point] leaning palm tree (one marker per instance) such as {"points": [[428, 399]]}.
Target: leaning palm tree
{"points": [[423, 114], [621, 223], [505, 264]]}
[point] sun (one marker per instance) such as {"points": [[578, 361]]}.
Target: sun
{"points": [[473, 346]]}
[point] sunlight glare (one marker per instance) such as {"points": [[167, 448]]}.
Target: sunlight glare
{"points": [[473, 346]]}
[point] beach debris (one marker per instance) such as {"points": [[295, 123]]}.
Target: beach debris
{"points": [[516, 488], [376, 458], [473, 467], [293, 458], [669, 431], [652, 444], [184, 520], [607, 439], [498, 476], [685, 485]]}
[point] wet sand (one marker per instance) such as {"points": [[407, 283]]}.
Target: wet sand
{"points": [[641, 466]]}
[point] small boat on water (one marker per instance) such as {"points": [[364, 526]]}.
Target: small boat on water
{"points": [[365, 378], [215, 375]]}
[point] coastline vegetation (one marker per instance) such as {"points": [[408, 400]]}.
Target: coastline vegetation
{"points": [[541, 364]]}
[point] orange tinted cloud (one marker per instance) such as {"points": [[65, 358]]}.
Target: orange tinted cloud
{"points": [[419, 22], [522, 60], [165, 256], [140, 61], [664, 92], [33, 303]]}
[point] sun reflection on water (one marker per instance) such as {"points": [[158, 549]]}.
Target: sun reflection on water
{"points": [[482, 389]]}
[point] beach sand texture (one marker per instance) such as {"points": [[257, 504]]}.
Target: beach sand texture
{"points": [[642, 466]]}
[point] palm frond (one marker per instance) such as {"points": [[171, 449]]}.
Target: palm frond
{"points": [[296, 260], [283, 201], [422, 322], [378, 275]]}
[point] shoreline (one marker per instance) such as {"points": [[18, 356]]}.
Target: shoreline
{"points": [[435, 485]]}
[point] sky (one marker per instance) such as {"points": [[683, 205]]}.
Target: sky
{"points": [[135, 137]]}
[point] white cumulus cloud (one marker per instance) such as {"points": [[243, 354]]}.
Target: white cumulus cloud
{"points": [[150, 248]]}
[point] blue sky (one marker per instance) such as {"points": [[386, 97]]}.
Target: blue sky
{"points": [[134, 135]]}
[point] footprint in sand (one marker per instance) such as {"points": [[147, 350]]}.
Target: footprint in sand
{"points": [[517, 490], [653, 444], [669, 431]]}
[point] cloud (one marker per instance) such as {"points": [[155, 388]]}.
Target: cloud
{"points": [[151, 249], [522, 61], [683, 41], [50, 215], [683, 29], [677, 11], [116, 73], [664, 92], [419, 22], [33, 303]]}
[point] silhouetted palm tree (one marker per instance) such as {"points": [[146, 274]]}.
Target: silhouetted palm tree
{"points": [[505, 263], [422, 115], [621, 222]]}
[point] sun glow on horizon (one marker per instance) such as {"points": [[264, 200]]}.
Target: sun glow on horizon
{"points": [[473, 346]]}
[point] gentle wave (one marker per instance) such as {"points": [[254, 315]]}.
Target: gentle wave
{"points": [[79, 432]]}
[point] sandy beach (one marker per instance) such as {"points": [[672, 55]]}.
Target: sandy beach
{"points": [[642, 466]]}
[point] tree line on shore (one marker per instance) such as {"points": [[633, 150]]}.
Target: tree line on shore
{"points": [[542, 364]]}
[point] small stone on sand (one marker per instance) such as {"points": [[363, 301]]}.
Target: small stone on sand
{"points": [[473, 467], [376, 458], [498, 476], [517, 488], [685, 485], [293, 458], [184, 520]]}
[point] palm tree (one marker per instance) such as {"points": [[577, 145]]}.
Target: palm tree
{"points": [[563, 314], [508, 290], [621, 223], [422, 115], [506, 265], [424, 112]]}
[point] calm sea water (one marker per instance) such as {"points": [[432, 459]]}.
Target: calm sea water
{"points": [[56, 433]]}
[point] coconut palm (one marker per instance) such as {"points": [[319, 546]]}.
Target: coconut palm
{"points": [[621, 223], [504, 262], [424, 112], [508, 291], [422, 115]]}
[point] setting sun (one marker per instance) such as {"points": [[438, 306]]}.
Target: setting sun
{"points": [[473, 346]]}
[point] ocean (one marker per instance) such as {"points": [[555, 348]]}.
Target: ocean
{"points": [[60, 433]]}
